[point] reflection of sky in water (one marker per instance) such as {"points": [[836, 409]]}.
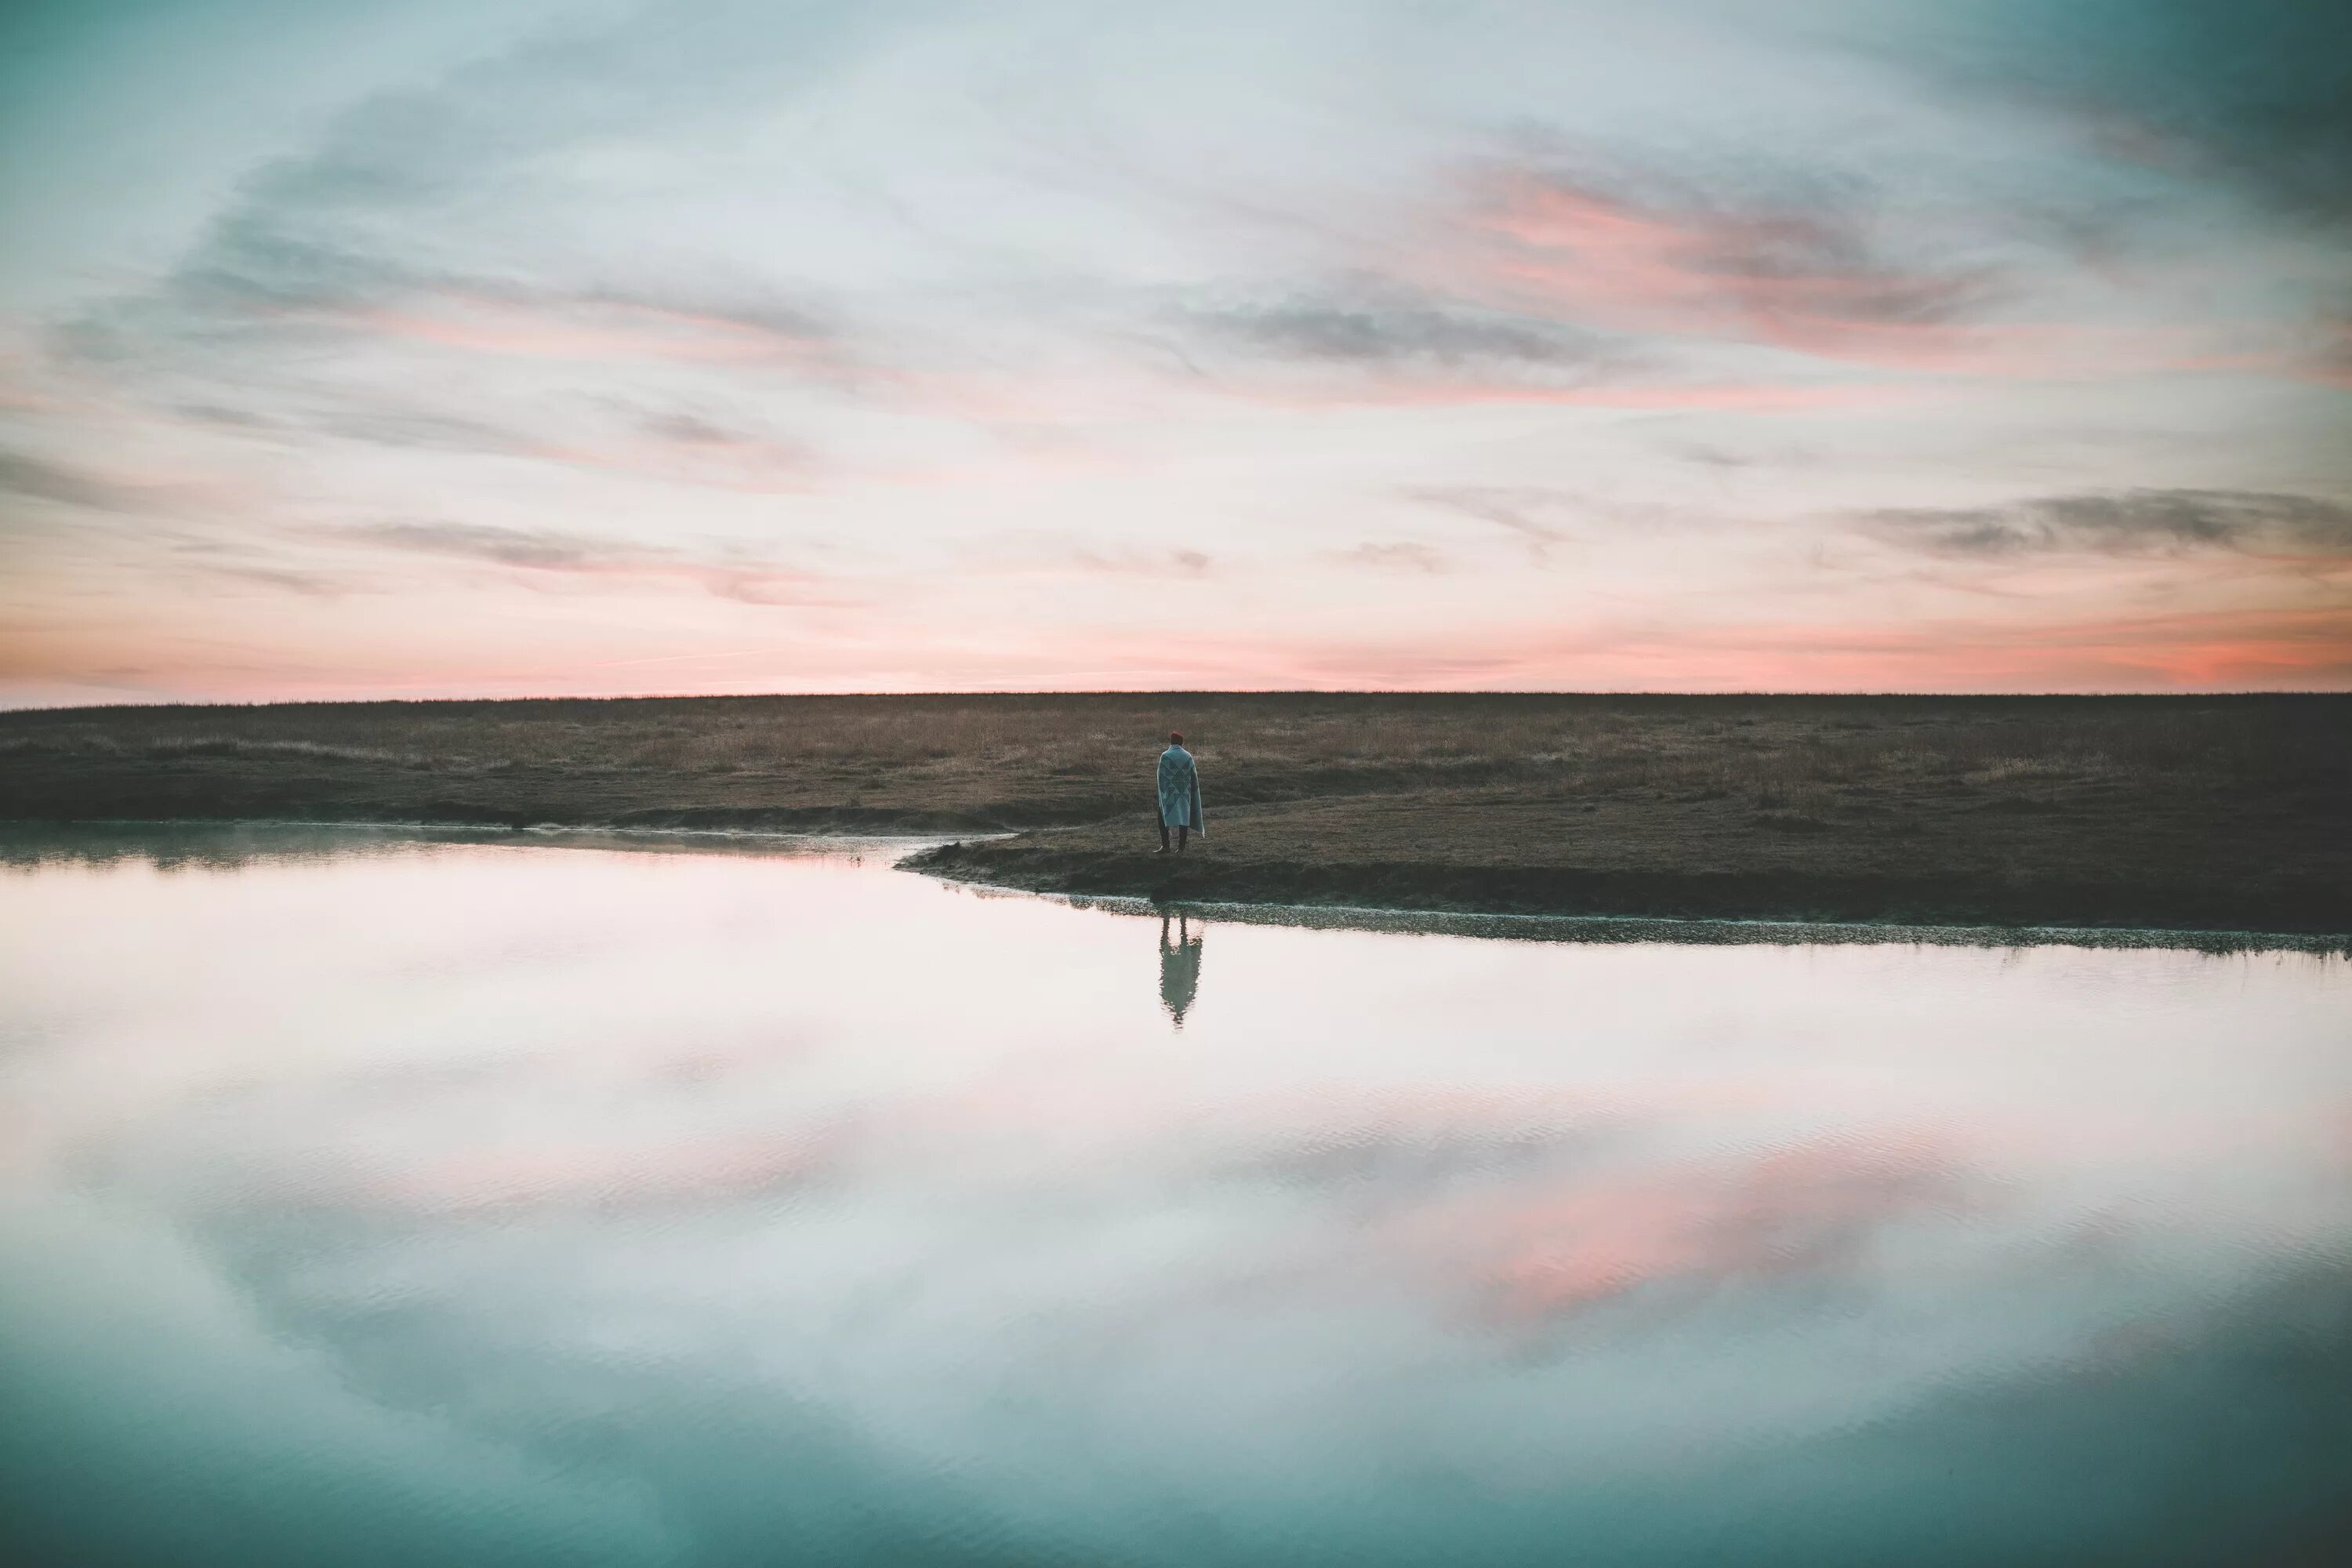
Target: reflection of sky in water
{"points": [[525, 1204]]}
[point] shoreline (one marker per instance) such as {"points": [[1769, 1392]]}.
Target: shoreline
{"points": [[1673, 907], [2185, 815], [1568, 894], [1614, 930]]}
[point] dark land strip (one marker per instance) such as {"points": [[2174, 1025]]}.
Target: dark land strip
{"points": [[2192, 813]]}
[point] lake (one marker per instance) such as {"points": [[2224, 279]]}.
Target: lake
{"points": [[371, 1200]]}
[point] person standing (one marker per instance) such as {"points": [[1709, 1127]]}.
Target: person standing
{"points": [[1180, 793]]}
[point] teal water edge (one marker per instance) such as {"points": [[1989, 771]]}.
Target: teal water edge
{"points": [[368, 1199]]}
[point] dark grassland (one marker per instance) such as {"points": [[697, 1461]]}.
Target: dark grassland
{"points": [[2232, 813]]}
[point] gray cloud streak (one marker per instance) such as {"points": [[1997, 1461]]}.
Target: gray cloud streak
{"points": [[25, 475], [1797, 247], [1379, 325], [424, 430], [689, 429], [1395, 556], [1144, 563], [1508, 507], [2124, 522], [325, 250], [308, 584], [1396, 331], [749, 581], [545, 550]]}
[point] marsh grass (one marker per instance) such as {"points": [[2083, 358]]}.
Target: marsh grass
{"points": [[2206, 812], [1816, 755]]}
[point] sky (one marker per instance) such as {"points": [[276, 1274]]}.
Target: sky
{"points": [[602, 348]]}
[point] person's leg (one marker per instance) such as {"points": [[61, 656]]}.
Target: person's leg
{"points": [[1183, 834], [1163, 839]]}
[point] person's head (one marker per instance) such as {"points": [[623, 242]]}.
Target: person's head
{"points": [[1175, 737]]}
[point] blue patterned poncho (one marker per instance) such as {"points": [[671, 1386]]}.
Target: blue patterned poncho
{"points": [[1180, 790]]}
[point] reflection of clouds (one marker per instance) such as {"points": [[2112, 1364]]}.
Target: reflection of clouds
{"points": [[222, 846], [1397, 1162], [1540, 1207], [665, 1125], [681, 1200], [607, 1177], [1678, 1232]]}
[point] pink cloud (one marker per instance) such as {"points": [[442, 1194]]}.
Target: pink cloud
{"points": [[1408, 390], [589, 329], [744, 463], [1789, 278]]}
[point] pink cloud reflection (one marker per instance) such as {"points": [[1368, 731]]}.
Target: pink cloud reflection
{"points": [[1533, 1257], [601, 1176]]}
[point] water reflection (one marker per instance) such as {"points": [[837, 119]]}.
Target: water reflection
{"points": [[1180, 967], [478, 1203], [234, 846]]}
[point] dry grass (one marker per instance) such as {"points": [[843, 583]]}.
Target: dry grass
{"points": [[2228, 795], [1260, 748]]}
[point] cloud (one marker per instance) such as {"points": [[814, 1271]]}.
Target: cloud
{"points": [[689, 429], [1799, 262], [1179, 563], [395, 194], [725, 576], [1030, 550], [289, 342], [26, 475], [539, 549], [268, 305], [648, 269], [459, 219], [1405, 556], [2332, 359], [309, 584], [422, 430], [224, 417], [596, 325], [695, 444], [1700, 454], [1515, 508], [1370, 339], [668, 446], [1391, 329], [2126, 523]]}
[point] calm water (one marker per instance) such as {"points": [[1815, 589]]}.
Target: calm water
{"points": [[490, 1203]]}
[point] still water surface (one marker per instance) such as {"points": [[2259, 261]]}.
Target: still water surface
{"points": [[388, 1202]]}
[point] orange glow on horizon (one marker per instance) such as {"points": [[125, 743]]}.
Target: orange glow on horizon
{"points": [[859, 648]]}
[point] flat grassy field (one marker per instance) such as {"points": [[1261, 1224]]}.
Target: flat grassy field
{"points": [[2229, 813]]}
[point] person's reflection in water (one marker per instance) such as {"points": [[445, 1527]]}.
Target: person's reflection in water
{"points": [[1179, 968]]}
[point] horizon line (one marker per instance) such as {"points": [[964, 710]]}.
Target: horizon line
{"points": [[1881, 696]]}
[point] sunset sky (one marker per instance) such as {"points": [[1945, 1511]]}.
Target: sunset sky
{"points": [[564, 346]]}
